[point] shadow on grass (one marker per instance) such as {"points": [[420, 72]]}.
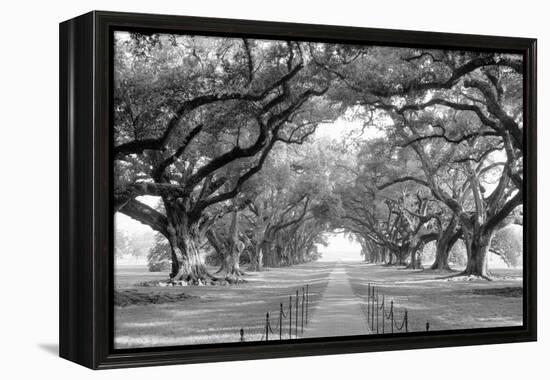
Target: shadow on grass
{"points": [[447, 304], [502, 292], [216, 313]]}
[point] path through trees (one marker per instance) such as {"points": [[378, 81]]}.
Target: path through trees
{"points": [[223, 133], [339, 312]]}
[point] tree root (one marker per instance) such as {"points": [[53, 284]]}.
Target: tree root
{"points": [[234, 280], [440, 270], [206, 279], [465, 276]]}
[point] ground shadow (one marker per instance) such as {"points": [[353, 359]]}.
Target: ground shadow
{"points": [[52, 348]]}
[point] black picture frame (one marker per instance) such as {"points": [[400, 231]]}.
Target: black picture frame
{"points": [[86, 222]]}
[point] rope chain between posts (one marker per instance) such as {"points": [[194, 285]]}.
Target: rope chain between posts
{"points": [[283, 312], [399, 328], [267, 328], [373, 303], [374, 306], [390, 314], [269, 324]]}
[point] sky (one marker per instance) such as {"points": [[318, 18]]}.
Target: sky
{"points": [[132, 226], [340, 248], [342, 126]]}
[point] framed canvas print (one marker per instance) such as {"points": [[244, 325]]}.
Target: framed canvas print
{"points": [[238, 189]]}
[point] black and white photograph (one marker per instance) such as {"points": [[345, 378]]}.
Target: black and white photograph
{"points": [[271, 189], [278, 190]]}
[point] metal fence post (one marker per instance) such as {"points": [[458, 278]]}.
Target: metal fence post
{"points": [[383, 314], [427, 326], [406, 321], [266, 327], [281, 322], [296, 313], [307, 302], [372, 312], [391, 315], [377, 313], [290, 318], [368, 303], [242, 335], [303, 302]]}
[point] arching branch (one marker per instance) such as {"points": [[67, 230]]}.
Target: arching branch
{"points": [[403, 179], [146, 215]]}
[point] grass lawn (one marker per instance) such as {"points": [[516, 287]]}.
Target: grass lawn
{"points": [[446, 303], [215, 314], [211, 314]]}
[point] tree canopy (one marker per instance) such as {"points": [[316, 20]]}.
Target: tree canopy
{"points": [[225, 132]]}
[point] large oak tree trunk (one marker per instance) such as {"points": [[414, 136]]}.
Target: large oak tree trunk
{"points": [[183, 237], [231, 262], [402, 255], [365, 252], [391, 256], [175, 261], [231, 268], [190, 266], [443, 247], [385, 253], [229, 249], [271, 258], [477, 247], [442, 251], [256, 259], [217, 243], [376, 251], [415, 261]]}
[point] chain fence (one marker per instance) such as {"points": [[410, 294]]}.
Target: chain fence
{"points": [[377, 317], [296, 314], [292, 318]]}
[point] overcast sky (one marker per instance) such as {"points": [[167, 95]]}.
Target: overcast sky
{"points": [[340, 248]]}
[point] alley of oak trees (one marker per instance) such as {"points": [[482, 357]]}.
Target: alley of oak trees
{"points": [[222, 131]]}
